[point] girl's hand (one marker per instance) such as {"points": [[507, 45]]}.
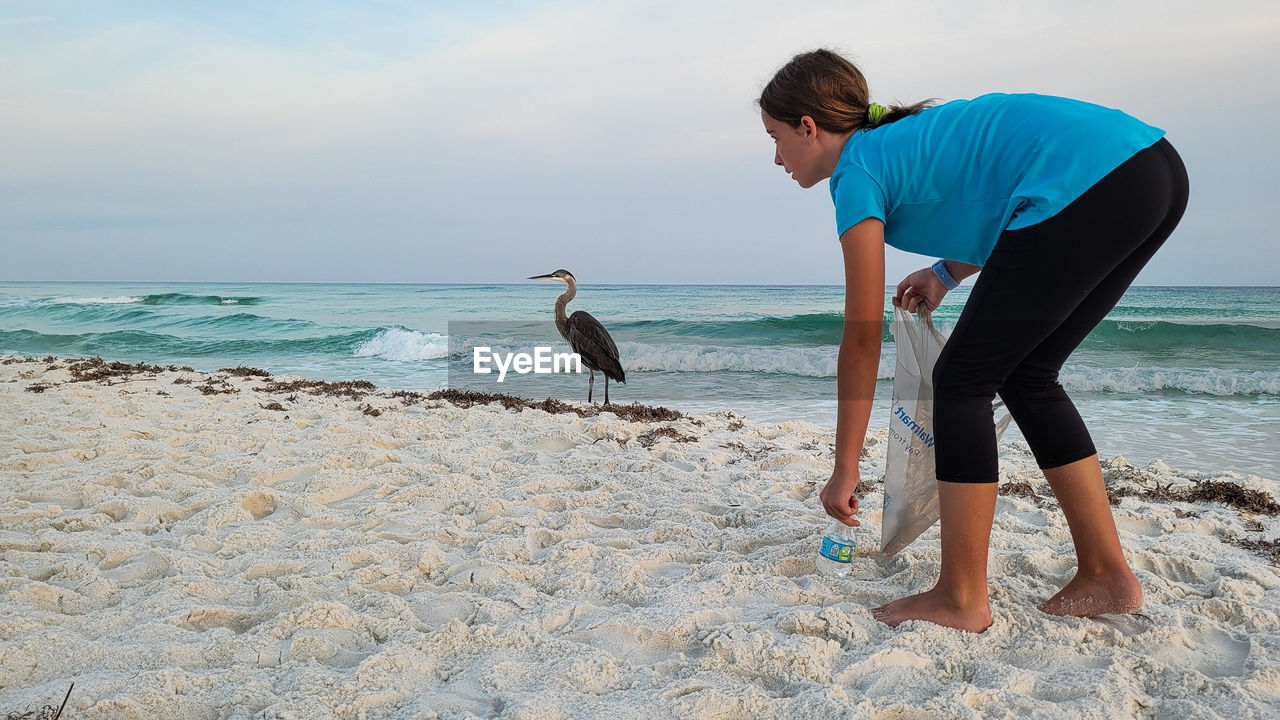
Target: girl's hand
{"points": [[838, 498], [920, 287]]}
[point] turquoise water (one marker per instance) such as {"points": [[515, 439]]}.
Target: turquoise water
{"points": [[1188, 375]]}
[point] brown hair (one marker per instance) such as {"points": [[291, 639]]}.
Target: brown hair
{"points": [[828, 88]]}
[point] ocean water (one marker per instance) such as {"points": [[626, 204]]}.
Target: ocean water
{"points": [[1189, 375]]}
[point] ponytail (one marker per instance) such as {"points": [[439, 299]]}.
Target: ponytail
{"points": [[831, 90]]}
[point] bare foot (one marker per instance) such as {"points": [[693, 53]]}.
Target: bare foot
{"points": [[937, 608], [1089, 596]]}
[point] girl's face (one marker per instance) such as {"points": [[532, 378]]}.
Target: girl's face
{"points": [[796, 149]]}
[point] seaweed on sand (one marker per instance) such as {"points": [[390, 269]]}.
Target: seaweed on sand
{"points": [[635, 412], [649, 438], [1269, 549], [242, 371], [1022, 489], [408, 397], [1223, 492], [96, 368], [217, 385], [352, 389]]}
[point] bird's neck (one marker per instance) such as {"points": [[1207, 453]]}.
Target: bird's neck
{"points": [[561, 303]]}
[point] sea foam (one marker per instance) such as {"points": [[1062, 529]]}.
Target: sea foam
{"points": [[404, 345], [121, 300]]}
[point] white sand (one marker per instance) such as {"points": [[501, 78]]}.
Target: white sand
{"points": [[191, 556]]}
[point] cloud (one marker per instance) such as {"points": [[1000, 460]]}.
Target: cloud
{"points": [[627, 127]]}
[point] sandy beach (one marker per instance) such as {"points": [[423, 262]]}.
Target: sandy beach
{"points": [[192, 545]]}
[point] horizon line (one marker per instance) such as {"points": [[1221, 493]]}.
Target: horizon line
{"points": [[517, 283]]}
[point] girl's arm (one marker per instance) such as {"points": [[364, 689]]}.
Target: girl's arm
{"points": [[924, 287], [859, 360], [860, 342], [959, 271]]}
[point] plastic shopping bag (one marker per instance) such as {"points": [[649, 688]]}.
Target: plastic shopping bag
{"points": [[910, 485]]}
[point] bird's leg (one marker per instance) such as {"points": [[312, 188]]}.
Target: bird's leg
{"points": [[591, 384], [606, 389]]}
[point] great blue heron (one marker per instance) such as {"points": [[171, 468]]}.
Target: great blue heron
{"points": [[586, 336]]}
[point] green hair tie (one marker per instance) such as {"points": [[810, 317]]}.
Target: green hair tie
{"points": [[875, 112]]}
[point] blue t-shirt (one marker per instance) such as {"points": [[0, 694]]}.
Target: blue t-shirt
{"points": [[949, 179]]}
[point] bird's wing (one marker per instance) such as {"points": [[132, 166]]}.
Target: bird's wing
{"points": [[589, 329], [590, 340]]}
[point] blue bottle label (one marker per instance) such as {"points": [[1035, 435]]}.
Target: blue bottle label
{"points": [[836, 550]]}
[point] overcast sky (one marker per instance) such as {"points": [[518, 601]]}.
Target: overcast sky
{"points": [[490, 141]]}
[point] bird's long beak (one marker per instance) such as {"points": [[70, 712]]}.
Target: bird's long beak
{"points": [[548, 276]]}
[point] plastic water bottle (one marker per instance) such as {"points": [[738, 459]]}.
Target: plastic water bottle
{"points": [[837, 549]]}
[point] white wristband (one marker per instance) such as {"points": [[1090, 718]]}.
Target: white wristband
{"points": [[940, 269]]}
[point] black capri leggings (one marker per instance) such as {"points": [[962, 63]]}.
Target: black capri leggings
{"points": [[1041, 291]]}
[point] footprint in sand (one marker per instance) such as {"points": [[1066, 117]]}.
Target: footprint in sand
{"points": [[275, 477], [538, 539], [1194, 575], [644, 636], [138, 570], [1128, 625], [1208, 650], [1151, 527], [664, 570], [202, 619], [335, 647], [332, 490], [554, 443], [275, 569], [547, 503], [436, 611], [327, 632]]}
